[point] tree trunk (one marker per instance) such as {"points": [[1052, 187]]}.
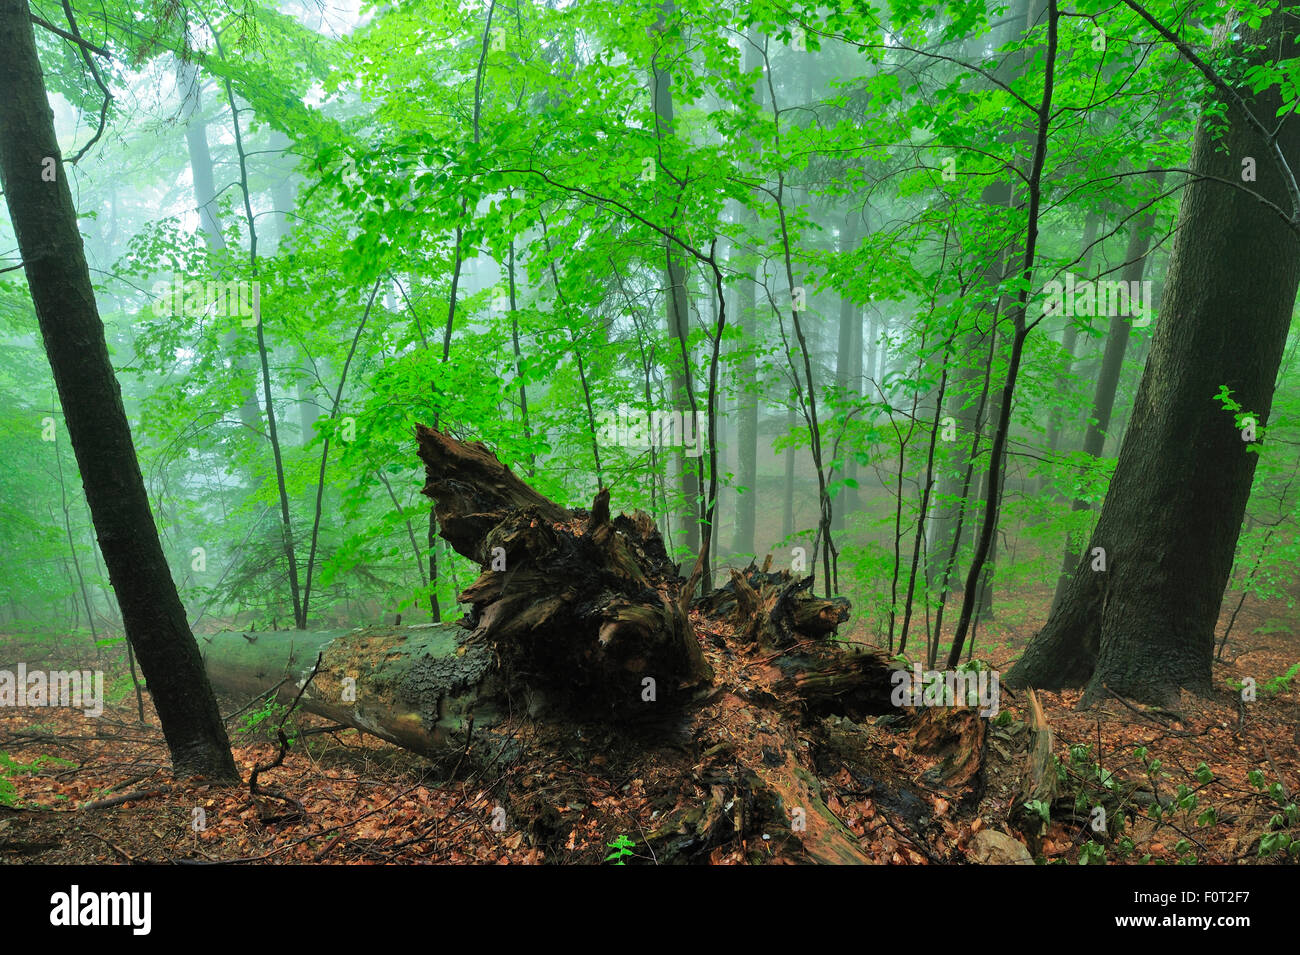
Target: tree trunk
{"points": [[844, 362], [1069, 342], [748, 322], [747, 418], [1144, 626], [677, 315], [590, 602], [787, 495], [205, 200], [45, 222], [951, 507], [573, 611]]}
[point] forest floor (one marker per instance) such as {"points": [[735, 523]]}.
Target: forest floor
{"points": [[584, 791]]}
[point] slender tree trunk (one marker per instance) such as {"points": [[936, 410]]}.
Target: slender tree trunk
{"points": [[746, 422], [1021, 330], [844, 361], [286, 522], [951, 506], [927, 486], [787, 496], [45, 222], [514, 338], [852, 499], [72, 550], [325, 454], [749, 403], [205, 201], [677, 311]]}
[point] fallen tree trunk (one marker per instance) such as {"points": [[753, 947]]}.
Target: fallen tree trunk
{"points": [[419, 687], [576, 645]]}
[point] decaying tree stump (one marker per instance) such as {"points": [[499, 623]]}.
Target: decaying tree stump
{"points": [[575, 628]]}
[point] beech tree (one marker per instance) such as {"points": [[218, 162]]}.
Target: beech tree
{"points": [[1139, 612]]}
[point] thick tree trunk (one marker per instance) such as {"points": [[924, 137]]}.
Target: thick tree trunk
{"points": [[45, 221], [1144, 626]]}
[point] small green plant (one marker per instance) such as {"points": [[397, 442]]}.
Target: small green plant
{"points": [[10, 767], [1092, 853], [1244, 420], [263, 719], [622, 847], [119, 689], [1277, 839], [7, 792], [1041, 808], [1097, 798], [1182, 808], [1281, 683], [1273, 686]]}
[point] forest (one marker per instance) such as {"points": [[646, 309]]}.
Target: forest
{"points": [[653, 432]]}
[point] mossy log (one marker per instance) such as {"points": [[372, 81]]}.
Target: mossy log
{"points": [[417, 686]]}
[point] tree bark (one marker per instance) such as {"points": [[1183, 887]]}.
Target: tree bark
{"points": [[45, 222], [747, 418], [844, 364], [573, 610]]}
